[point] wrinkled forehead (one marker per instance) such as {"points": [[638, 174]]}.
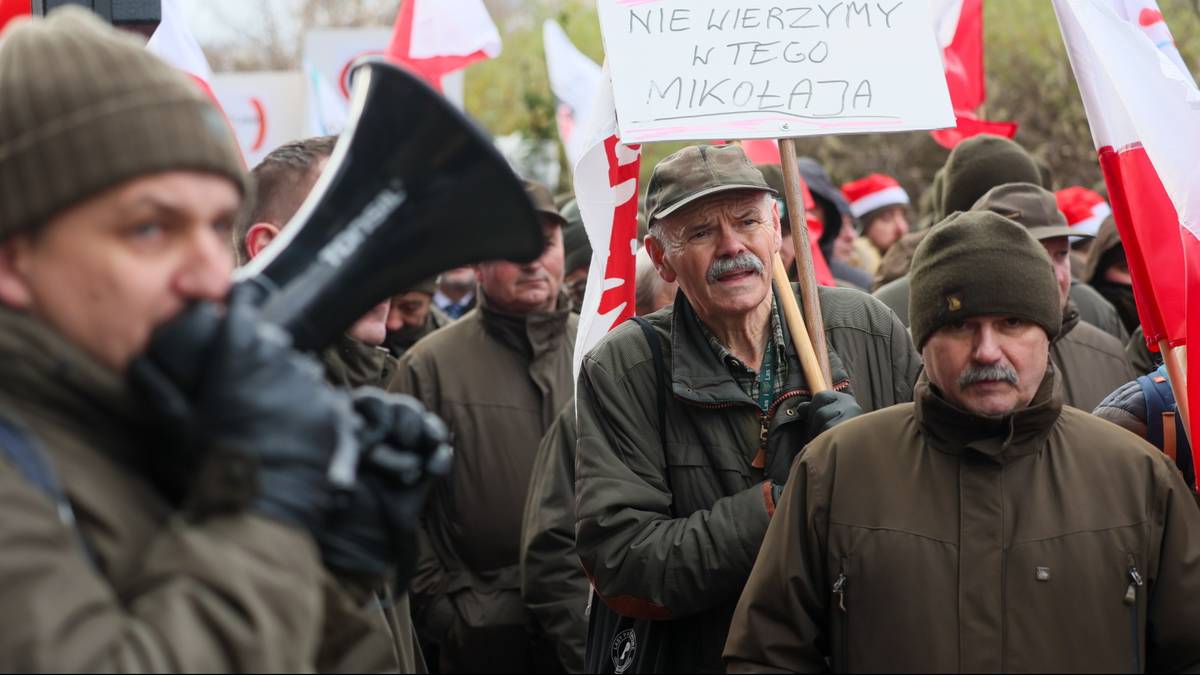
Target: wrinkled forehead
{"points": [[711, 207]]}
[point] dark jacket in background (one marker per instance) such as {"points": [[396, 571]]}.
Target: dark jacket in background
{"points": [[925, 539], [498, 381], [1090, 362], [671, 533]]}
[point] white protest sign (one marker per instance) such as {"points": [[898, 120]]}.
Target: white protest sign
{"points": [[726, 69], [266, 109]]}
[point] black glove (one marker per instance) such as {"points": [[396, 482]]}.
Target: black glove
{"points": [[233, 403], [828, 409], [372, 530]]}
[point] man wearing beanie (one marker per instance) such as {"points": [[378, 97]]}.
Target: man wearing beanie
{"points": [[162, 458], [413, 316], [577, 255], [985, 526], [975, 166], [680, 461], [1090, 362], [499, 376]]}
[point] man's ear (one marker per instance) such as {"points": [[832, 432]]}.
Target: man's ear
{"points": [[776, 224], [657, 256], [258, 236], [14, 288]]}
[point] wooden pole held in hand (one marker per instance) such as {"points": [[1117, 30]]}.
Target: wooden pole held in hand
{"points": [[804, 262], [795, 323]]}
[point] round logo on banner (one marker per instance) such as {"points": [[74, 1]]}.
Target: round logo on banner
{"points": [[624, 649], [344, 74]]}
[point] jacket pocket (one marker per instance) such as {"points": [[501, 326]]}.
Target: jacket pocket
{"points": [[840, 606], [1133, 600]]}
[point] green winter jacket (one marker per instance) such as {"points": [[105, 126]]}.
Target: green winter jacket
{"points": [[671, 533]]}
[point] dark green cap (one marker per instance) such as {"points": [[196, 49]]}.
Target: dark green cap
{"points": [[979, 263], [577, 249], [698, 171], [1030, 205], [979, 164], [543, 202]]}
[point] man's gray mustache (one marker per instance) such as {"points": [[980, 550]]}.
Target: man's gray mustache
{"points": [[995, 373], [742, 262]]}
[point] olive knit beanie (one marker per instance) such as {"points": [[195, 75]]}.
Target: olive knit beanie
{"points": [[577, 249], [978, 263], [979, 164], [85, 107]]}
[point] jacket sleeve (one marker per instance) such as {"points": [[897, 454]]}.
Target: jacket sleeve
{"points": [[235, 593], [780, 624], [874, 346], [643, 562], [553, 584], [433, 610], [1173, 619]]}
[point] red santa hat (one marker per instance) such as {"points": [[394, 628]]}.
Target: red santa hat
{"points": [[1084, 209], [873, 192]]}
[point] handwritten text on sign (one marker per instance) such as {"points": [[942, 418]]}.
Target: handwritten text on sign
{"points": [[724, 69]]}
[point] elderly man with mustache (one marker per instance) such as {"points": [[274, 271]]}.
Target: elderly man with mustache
{"points": [[681, 459], [498, 377], [995, 529]]}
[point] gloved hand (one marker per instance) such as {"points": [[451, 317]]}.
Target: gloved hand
{"points": [[242, 418], [372, 529], [828, 409]]}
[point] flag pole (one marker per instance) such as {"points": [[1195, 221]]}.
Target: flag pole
{"points": [[796, 326], [805, 274], [1175, 359]]}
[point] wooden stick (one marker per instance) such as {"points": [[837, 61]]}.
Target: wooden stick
{"points": [[795, 323], [1176, 360], [804, 263]]}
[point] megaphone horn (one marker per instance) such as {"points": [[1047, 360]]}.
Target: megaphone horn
{"points": [[413, 188]]}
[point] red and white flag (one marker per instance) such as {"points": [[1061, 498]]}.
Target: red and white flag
{"points": [[1144, 111], [606, 189], [959, 29], [11, 9], [174, 43], [437, 37], [574, 79]]}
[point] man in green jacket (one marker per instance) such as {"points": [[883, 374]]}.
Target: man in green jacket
{"points": [[1090, 362], [669, 520], [413, 316], [164, 456], [498, 377], [984, 527]]}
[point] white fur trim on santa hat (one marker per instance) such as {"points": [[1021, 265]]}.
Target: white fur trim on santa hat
{"points": [[877, 200]]}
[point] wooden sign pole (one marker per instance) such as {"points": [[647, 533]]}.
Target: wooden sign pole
{"points": [[804, 262], [817, 381]]}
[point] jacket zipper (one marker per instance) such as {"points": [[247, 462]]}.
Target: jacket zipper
{"points": [[764, 418], [839, 591], [1131, 599]]}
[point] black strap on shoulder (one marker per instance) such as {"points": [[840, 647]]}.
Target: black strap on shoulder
{"points": [[31, 463], [660, 370]]}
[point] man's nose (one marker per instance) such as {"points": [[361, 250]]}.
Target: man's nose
{"points": [[987, 346], [207, 268], [729, 242]]}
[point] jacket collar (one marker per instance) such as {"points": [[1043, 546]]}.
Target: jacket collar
{"points": [[1070, 320], [952, 430], [528, 334], [63, 384], [350, 363], [697, 375]]}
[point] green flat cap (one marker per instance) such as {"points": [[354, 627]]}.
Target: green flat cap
{"points": [[543, 202], [696, 172], [1030, 205]]}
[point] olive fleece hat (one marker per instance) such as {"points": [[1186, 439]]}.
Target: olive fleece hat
{"points": [[577, 249], [1030, 205], [979, 164], [85, 108], [698, 171], [543, 202], [978, 263]]}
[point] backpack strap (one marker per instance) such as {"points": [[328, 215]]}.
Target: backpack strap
{"points": [[31, 463], [660, 370], [1156, 390]]}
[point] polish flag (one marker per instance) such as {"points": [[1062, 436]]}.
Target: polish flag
{"points": [[606, 189], [174, 43], [574, 79], [959, 28], [11, 9], [1144, 111], [437, 37]]}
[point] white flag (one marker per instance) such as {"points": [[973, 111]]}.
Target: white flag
{"points": [[574, 79]]}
